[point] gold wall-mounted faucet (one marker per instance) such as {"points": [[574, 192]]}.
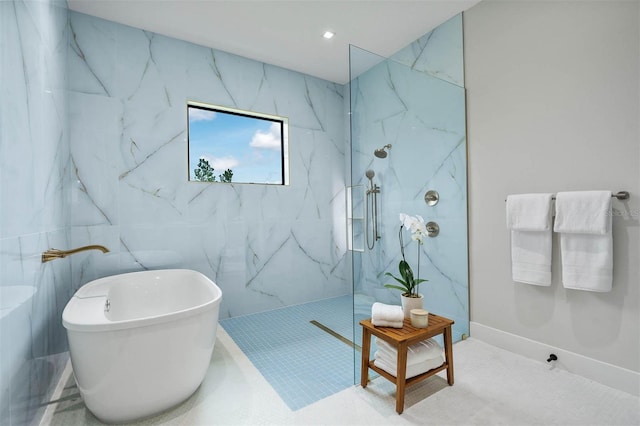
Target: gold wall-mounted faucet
{"points": [[52, 254]]}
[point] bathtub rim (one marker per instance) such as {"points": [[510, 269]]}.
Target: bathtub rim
{"points": [[101, 323]]}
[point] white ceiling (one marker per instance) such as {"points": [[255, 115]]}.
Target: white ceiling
{"points": [[285, 33]]}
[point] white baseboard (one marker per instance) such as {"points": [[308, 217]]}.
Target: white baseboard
{"points": [[47, 417], [602, 372]]}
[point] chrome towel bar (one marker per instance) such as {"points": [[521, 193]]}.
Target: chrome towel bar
{"points": [[620, 195]]}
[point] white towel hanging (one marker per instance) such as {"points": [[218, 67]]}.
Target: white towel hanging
{"points": [[529, 219], [583, 212], [583, 219]]}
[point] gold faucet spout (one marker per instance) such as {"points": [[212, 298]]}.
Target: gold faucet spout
{"points": [[53, 253]]}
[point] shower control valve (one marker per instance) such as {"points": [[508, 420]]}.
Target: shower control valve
{"points": [[431, 197], [432, 229]]}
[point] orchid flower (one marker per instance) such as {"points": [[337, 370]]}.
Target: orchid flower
{"points": [[418, 229], [415, 225]]}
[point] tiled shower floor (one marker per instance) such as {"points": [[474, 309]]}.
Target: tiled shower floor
{"points": [[302, 362]]}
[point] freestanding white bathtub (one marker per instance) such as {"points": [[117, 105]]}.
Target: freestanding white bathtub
{"points": [[141, 342]]}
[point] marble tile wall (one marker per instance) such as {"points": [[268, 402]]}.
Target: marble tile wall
{"points": [[93, 151], [414, 101], [265, 246], [116, 175], [439, 53], [34, 215]]}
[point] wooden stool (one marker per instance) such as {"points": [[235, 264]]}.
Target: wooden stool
{"points": [[401, 339]]}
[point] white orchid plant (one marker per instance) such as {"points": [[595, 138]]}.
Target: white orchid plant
{"points": [[409, 285]]}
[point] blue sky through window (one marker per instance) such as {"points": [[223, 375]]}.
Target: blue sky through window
{"points": [[250, 146]]}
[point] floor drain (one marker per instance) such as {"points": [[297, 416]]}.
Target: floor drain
{"points": [[336, 335]]}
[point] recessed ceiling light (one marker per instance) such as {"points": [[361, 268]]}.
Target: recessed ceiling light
{"points": [[328, 34]]}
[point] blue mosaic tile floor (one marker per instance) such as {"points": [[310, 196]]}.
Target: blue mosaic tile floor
{"points": [[302, 362]]}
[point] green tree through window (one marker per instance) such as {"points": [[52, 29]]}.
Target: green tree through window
{"points": [[204, 173], [226, 176]]}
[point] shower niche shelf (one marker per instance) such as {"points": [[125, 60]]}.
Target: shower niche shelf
{"points": [[355, 218]]}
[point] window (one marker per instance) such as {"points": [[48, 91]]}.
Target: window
{"points": [[234, 146]]}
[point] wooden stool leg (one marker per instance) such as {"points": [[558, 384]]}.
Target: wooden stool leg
{"points": [[448, 354], [401, 376], [366, 348]]}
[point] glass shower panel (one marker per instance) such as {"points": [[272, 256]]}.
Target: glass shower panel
{"points": [[420, 120]]}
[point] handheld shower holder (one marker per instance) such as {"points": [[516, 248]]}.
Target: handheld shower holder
{"points": [[373, 191]]}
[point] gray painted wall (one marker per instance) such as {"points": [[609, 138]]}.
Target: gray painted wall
{"points": [[553, 105]]}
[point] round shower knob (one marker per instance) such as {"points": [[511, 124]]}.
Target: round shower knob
{"points": [[431, 197], [432, 229]]}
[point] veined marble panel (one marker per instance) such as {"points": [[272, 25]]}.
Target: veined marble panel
{"points": [[33, 139], [438, 53], [423, 118], [265, 246], [32, 297], [34, 174]]}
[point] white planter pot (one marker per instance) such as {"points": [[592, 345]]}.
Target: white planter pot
{"points": [[409, 303]]}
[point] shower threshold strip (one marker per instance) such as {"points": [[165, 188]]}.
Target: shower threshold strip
{"points": [[336, 335]]}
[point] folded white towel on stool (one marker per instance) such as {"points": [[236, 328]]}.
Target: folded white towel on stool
{"points": [[416, 353], [583, 219], [380, 311], [392, 359], [383, 323], [412, 370], [529, 219]]}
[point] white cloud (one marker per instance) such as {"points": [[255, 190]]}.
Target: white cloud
{"points": [[220, 164], [269, 140], [197, 114]]}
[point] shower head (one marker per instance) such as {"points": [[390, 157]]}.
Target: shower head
{"points": [[381, 153], [370, 174]]}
